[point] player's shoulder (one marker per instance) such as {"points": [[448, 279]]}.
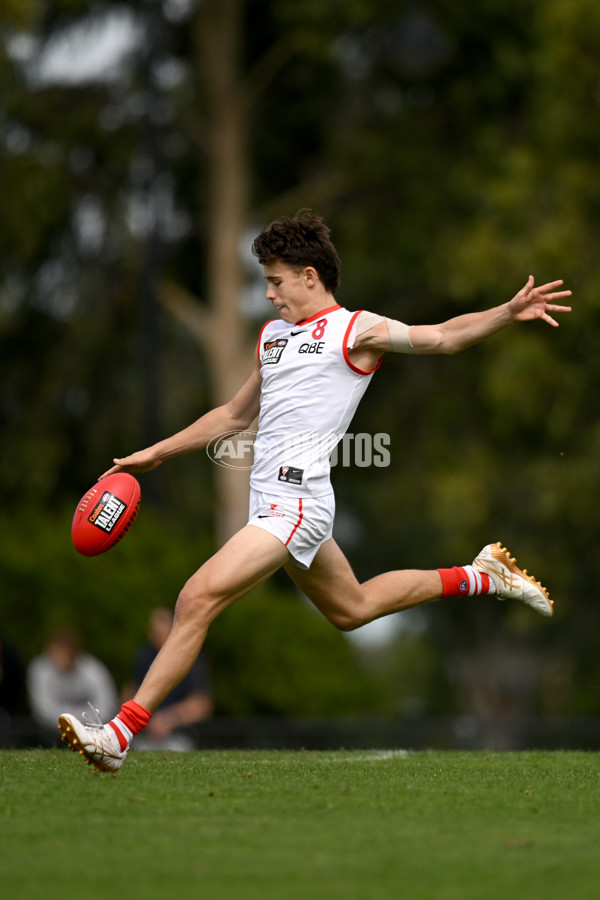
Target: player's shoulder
{"points": [[273, 326]]}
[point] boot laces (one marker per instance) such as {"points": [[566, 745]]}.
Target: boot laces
{"points": [[92, 720]]}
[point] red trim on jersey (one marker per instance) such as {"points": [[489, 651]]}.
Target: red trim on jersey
{"points": [[345, 349], [297, 525], [320, 314], [260, 337]]}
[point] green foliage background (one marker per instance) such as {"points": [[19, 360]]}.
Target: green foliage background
{"points": [[453, 148]]}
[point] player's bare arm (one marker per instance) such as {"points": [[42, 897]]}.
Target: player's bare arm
{"points": [[463, 331], [458, 333], [236, 415]]}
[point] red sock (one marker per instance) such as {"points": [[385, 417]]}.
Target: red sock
{"points": [[132, 719], [465, 581]]}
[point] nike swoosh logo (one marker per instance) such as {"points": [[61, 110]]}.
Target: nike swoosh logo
{"points": [[302, 331]]}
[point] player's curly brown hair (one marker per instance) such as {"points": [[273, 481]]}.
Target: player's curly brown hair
{"points": [[298, 241]]}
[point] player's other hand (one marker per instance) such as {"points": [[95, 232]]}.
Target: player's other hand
{"points": [[538, 302], [142, 461]]}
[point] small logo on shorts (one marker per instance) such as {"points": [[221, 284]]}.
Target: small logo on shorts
{"points": [[271, 513], [290, 474]]}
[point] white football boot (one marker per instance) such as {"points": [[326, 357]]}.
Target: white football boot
{"points": [[97, 743], [511, 582]]}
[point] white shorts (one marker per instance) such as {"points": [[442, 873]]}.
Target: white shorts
{"points": [[301, 524]]}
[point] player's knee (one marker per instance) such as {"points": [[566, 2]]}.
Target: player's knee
{"points": [[187, 606], [196, 603], [346, 621]]}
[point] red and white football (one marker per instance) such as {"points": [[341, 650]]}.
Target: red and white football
{"points": [[105, 514]]}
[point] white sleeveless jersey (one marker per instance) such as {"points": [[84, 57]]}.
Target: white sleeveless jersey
{"points": [[309, 394]]}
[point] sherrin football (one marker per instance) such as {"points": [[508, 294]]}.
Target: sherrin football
{"points": [[105, 514]]}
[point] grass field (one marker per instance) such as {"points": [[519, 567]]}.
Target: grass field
{"points": [[269, 825]]}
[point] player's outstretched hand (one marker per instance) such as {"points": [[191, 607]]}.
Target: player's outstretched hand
{"points": [[538, 302], [142, 461]]}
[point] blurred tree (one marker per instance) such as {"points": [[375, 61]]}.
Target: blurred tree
{"points": [[499, 442]]}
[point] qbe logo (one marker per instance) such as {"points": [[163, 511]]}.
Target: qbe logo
{"points": [[312, 348]]}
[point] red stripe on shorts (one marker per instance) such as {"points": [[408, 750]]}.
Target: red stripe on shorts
{"points": [[297, 525]]}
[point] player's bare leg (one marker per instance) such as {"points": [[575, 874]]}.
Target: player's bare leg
{"points": [[246, 560], [333, 587], [250, 557]]}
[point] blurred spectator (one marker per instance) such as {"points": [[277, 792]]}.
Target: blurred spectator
{"points": [[65, 679], [12, 691], [171, 726]]}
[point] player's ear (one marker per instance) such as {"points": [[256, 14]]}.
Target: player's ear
{"points": [[311, 276]]}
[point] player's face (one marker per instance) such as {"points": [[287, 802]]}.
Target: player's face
{"points": [[290, 290]]}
